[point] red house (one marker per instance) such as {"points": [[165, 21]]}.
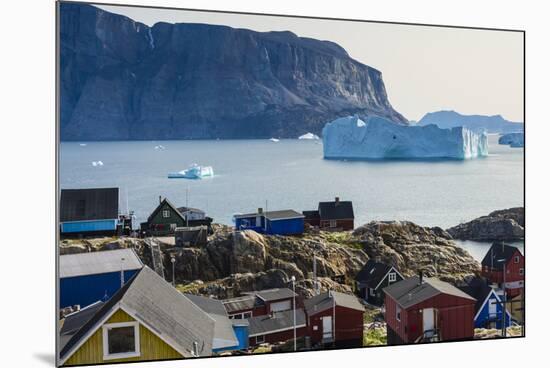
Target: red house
{"points": [[276, 327], [334, 216], [502, 257], [427, 309], [260, 303], [334, 319]]}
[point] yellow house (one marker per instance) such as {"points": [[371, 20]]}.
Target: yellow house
{"points": [[147, 319], [515, 307]]}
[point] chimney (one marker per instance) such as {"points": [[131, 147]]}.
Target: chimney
{"points": [[336, 201], [420, 278], [160, 199], [260, 210], [195, 348]]}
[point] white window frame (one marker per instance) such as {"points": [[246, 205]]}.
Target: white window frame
{"points": [[332, 223], [398, 313], [522, 271], [106, 327], [516, 259], [258, 341], [392, 277], [165, 213], [372, 292], [247, 315]]}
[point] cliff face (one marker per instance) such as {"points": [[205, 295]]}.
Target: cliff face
{"points": [[124, 80], [451, 119]]}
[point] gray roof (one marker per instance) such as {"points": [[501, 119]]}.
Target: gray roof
{"points": [[278, 321], [333, 211], [497, 252], [326, 300], [274, 215], [224, 335], [166, 311], [408, 292], [240, 303], [88, 204], [273, 294], [71, 265], [74, 321]]}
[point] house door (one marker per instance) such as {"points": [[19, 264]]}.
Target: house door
{"points": [[492, 308], [428, 322], [327, 327]]}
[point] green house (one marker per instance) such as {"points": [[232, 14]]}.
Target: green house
{"points": [[163, 220]]}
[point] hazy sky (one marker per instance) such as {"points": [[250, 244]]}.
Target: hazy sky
{"points": [[424, 68]]}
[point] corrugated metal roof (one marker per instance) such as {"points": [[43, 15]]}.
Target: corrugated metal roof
{"points": [[274, 294], [80, 264], [326, 300], [409, 292], [168, 312], [240, 303], [88, 204], [224, 335], [279, 321]]}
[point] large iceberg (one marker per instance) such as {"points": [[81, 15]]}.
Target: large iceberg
{"points": [[378, 138], [513, 139]]}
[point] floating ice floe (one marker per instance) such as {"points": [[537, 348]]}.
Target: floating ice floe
{"points": [[274, 139], [309, 136], [97, 163], [160, 147], [83, 144], [193, 172]]}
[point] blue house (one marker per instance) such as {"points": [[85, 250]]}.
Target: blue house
{"points": [[88, 211], [283, 222], [86, 278], [488, 308], [229, 335]]}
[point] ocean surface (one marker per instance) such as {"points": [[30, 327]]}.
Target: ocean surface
{"points": [[293, 174]]}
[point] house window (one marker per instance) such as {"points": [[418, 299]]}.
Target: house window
{"points": [[371, 291], [392, 277], [166, 213], [247, 315], [260, 339], [516, 259], [332, 223], [398, 313], [120, 340], [521, 271], [173, 227]]}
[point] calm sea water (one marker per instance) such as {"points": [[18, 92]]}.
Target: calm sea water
{"points": [[293, 174]]}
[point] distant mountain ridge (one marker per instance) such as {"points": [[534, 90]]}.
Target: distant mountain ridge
{"points": [[451, 119], [123, 80]]}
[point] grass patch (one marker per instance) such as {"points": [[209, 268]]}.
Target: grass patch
{"points": [[262, 349], [375, 337]]}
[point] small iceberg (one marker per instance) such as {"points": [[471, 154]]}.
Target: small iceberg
{"points": [[97, 163], [515, 140], [160, 147], [309, 136], [82, 144], [274, 139], [193, 172]]}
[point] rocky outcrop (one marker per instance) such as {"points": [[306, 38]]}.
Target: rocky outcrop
{"points": [[490, 124], [123, 80], [412, 248], [505, 225], [234, 262]]}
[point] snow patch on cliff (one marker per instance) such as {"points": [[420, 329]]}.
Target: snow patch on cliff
{"points": [[378, 138]]}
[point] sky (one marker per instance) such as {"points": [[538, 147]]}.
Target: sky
{"points": [[425, 69]]}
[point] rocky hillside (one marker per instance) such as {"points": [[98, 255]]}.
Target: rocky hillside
{"points": [[123, 80], [505, 225], [233, 262]]}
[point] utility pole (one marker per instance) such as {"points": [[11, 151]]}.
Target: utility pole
{"points": [[122, 272], [173, 260], [293, 279], [504, 305], [187, 206]]}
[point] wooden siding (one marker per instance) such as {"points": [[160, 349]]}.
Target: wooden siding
{"points": [[455, 318], [151, 347], [160, 225], [348, 326], [341, 224]]}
